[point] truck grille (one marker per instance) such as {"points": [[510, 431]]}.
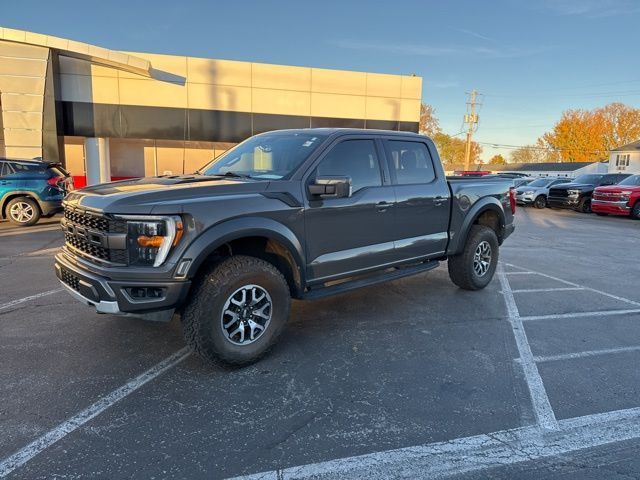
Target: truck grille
{"points": [[558, 192], [70, 279], [93, 224], [611, 197]]}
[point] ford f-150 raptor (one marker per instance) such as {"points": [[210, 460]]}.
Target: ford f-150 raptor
{"points": [[288, 214]]}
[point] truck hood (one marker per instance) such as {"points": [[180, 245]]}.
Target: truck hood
{"points": [[160, 195], [618, 189], [573, 186]]}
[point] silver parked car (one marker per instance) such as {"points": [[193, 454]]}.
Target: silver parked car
{"points": [[535, 193]]}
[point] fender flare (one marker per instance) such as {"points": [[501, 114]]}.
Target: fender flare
{"points": [[483, 205], [217, 235]]}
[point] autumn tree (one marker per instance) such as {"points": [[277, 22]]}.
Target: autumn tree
{"points": [[497, 160], [451, 150], [429, 124], [588, 135]]}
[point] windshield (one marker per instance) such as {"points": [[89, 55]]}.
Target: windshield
{"points": [[632, 181], [270, 156], [588, 179], [540, 182]]}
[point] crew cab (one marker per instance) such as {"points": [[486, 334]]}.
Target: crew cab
{"points": [[288, 214], [620, 199], [577, 194]]}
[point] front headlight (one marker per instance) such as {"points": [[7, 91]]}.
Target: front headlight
{"points": [[529, 192], [150, 239]]}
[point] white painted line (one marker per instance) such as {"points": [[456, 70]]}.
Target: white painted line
{"points": [[540, 290], [606, 294], [597, 313], [539, 398], [520, 273], [463, 455], [22, 456], [586, 353], [13, 303], [25, 230]]}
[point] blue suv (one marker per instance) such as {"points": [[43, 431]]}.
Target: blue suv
{"points": [[30, 189]]}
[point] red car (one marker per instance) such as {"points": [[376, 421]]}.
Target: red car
{"points": [[620, 199]]}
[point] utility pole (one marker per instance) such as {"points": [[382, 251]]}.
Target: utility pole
{"points": [[470, 119]]}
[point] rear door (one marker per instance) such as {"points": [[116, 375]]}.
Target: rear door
{"points": [[423, 200], [346, 236], [9, 179]]}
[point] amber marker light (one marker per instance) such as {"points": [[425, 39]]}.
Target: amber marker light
{"points": [[155, 241]]}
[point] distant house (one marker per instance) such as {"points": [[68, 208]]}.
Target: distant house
{"points": [[561, 169], [625, 159]]}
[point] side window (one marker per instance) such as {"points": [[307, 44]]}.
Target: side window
{"points": [[2, 169], [411, 162], [356, 159]]}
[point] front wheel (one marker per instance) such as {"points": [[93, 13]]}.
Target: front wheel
{"points": [[236, 311], [23, 211], [585, 206], [540, 201], [473, 269], [635, 212]]}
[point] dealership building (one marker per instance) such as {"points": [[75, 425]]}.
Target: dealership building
{"points": [[109, 114]]}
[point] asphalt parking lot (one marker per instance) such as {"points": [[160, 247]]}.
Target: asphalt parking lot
{"points": [[535, 377]]}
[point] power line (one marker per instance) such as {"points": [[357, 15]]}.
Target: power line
{"points": [[545, 149]]}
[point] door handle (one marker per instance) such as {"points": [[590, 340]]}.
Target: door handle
{"points": [[438, 201], [383, 206]]}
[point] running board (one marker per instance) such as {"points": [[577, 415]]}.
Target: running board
{"points": [[385, 276]]}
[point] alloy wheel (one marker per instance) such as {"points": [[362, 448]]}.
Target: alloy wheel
{"points": [[482, 258], [21, 212], [246, 314]]}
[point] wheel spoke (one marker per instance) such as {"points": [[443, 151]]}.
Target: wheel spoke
{"points": [[241, 302], [260, 311], [234, 318]]}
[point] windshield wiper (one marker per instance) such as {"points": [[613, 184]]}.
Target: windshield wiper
{"points": [[234, 175]]}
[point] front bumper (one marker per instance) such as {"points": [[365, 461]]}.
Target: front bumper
{"points": [[522, 199], [613, 208], [563, 202], [115, 296]]}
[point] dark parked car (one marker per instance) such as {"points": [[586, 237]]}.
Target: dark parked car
{"points": [[295, 213], [30, 189], [577, 194]]}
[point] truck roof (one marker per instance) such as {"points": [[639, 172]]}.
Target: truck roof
{"points": [[347, 131]]}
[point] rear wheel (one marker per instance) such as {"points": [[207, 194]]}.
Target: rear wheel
{"points": [[473, 269], [236, 311], [540, 201], [635, 212], [23, 211]]}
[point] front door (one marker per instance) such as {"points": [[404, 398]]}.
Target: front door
{"points": [[422, 201], [346, 236]]}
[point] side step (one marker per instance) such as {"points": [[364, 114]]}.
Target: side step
{"points": [[385, 276]]}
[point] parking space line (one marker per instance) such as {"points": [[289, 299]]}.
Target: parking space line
{"points": [[566, 282], [586, 353], [539, 290], [24, 231], [597, 313], [476, 453], [520, 273], [25, 454], [13, 303], [539, 398]]}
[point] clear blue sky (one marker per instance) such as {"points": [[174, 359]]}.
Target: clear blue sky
{"points": [[531, 59]]}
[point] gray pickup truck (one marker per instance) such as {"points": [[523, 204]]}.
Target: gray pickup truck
{"points": [[289, 214]]}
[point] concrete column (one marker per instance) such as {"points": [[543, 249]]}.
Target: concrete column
{"points": [[97, 160]]}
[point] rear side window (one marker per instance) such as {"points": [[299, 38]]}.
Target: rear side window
{"points": [[27, 167], [4, 169], [411, 162], [356, 159]]}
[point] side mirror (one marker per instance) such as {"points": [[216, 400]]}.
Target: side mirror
{"points": [[331, 187]]}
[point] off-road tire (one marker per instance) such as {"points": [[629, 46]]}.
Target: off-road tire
{"points": [[540, 201], [461, 266], [34, 209], [201, 317]]}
